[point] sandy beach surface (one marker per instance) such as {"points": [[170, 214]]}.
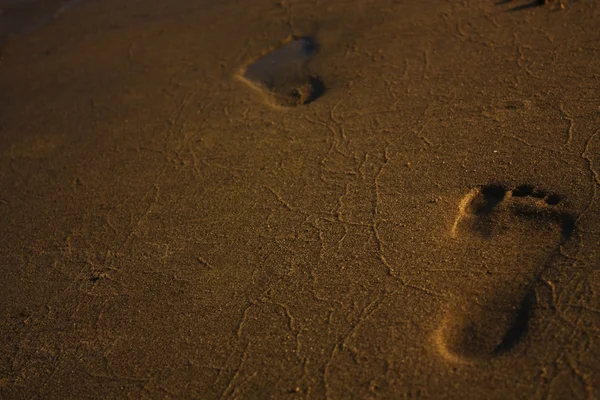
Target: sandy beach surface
{"points": [[301, 200]]}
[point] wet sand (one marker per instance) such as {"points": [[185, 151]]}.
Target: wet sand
{"points": [[302, 199]]}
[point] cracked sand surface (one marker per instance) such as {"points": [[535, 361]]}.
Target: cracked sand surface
{"points": [[168, 233]]}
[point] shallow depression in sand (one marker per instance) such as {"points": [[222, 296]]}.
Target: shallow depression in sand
{"points": [[282, 73], [523, 225], [20, 17]]}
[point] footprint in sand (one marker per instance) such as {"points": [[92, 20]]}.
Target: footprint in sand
{"points": [[282, 73], [529, 4], [508, 238]]}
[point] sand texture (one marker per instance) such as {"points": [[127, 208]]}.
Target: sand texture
{"points": [[302, 200]]}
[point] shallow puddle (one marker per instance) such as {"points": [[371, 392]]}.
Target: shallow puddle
{"points": [[20, 17], [283, 73]]}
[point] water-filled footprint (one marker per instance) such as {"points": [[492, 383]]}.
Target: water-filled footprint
{"points": [[508, 237], [282, 73]]}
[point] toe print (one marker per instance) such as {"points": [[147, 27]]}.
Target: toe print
{"points": [[525, 225]]}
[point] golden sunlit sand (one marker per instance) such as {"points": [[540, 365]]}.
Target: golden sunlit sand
{"points": [[300, 199]]}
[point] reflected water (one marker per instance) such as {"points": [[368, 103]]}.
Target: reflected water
{"points": [[20, 17]]}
